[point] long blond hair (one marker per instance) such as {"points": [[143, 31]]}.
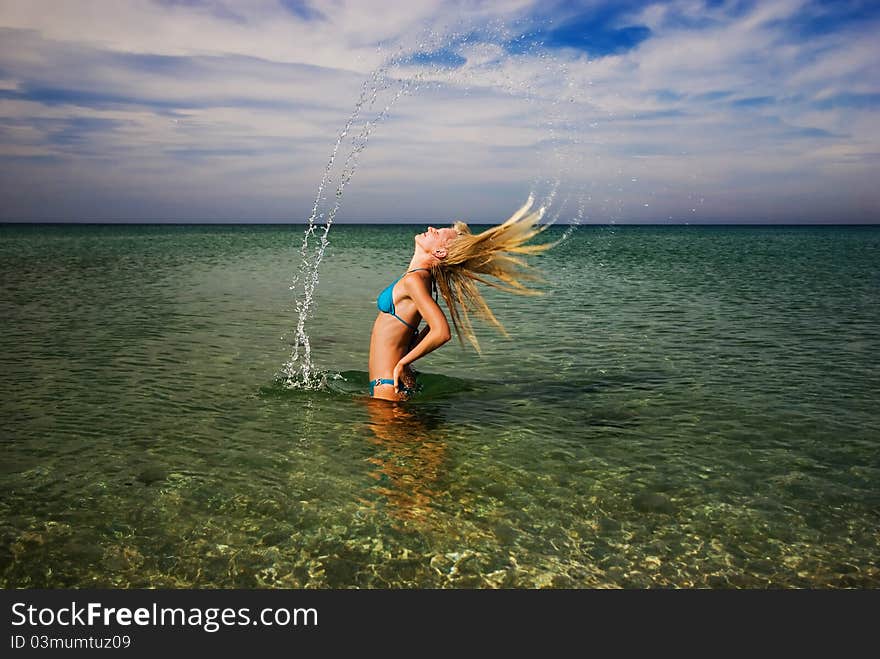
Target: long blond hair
{"points": [[472, 257]]}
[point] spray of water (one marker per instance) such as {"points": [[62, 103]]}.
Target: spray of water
{"points": [[298, 371], [383, 90]]}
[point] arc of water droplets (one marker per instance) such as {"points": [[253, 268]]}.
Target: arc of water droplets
{"points": [[576, 221], [369, 93], [552, 218], [310, 230], [552, 118], [308, 272]]}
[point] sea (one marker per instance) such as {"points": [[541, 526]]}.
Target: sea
{"points": [[684, 407]]}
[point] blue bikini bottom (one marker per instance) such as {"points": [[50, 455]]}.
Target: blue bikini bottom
{"points": [[404, 390]]}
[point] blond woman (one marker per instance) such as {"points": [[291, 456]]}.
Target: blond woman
{"points": [[450, 261]]}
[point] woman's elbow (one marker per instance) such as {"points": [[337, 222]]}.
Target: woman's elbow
{"points": [[443, 336]]}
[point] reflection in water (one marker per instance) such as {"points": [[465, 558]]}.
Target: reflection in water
{"points": [[409, 463]]}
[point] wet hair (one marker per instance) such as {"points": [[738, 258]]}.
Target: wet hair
{"points": [[471, 258]]}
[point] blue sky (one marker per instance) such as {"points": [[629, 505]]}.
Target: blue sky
{"points": [[223, 111]]}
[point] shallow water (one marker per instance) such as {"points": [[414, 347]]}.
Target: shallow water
{"points": [[688, 406]]}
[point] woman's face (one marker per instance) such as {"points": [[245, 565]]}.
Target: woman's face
{"points": [[435, 239]]}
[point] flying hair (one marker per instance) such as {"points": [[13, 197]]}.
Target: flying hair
{"points": [[490, 258]]}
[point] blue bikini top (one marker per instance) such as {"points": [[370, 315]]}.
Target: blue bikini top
{"points": [[385, 301]]}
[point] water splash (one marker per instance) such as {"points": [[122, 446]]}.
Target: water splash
{"points": [[298, 371], [383, 88]]}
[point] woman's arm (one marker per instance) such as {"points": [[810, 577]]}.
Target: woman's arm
{"points": [[419, 290], [421, 335]]}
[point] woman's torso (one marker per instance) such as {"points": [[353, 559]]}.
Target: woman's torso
{"points": [[391, 338]]}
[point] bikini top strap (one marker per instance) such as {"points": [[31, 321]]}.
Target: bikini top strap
{"points": [[433, 283]]}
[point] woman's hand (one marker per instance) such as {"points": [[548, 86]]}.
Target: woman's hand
{"points": [[398, 372]]}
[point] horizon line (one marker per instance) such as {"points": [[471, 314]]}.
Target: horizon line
{"points": [[409, 223]]}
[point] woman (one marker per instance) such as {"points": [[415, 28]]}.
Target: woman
{"points": [[450, 260]]}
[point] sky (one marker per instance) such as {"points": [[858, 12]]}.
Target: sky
{"points": [[692, 111]]}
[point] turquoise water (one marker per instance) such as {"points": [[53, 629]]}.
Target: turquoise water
{"points": [[687, 406]]}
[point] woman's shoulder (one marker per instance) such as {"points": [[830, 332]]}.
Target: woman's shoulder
{"points": [[419, 277]]}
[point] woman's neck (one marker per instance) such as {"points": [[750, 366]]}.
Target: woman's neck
{"points": [[421, 260]]}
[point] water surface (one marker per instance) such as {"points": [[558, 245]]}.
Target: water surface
{"points": [[687, 406]]}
